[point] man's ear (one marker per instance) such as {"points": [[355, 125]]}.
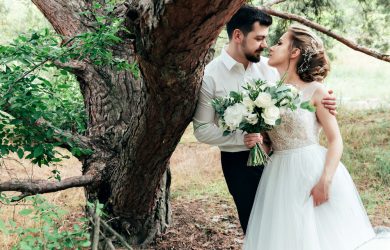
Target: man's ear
{"points": [[237, 36], [295, 52]]}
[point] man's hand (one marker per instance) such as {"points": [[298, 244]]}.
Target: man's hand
{"points": [[329, 102], [250, 140]]}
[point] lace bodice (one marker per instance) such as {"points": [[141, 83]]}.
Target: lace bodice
{"points": [[298, 128]]}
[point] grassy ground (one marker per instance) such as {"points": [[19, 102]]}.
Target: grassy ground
{"points": [[359, 81]]}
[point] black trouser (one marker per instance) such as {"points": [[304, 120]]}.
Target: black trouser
{"points": [[242, 182]]}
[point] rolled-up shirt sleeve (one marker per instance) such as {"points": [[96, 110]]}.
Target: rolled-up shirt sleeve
{"points": [[205, 129]]}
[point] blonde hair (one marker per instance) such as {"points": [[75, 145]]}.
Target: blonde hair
{"points": [[313, 63]]}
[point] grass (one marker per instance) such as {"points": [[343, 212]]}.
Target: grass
{"points": [[359, 81], [366, 137]]}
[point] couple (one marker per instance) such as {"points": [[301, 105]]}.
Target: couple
{"points": [[306, 199]]}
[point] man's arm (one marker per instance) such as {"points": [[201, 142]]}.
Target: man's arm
{"points": [[205, 129], [329, 102]]}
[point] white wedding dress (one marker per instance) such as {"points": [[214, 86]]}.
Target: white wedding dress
{"points": [[283, 216]]}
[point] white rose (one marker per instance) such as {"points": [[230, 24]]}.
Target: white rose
{"points": [[270, 115], [293, 89], [264, 100], [252, 118], [234, 115], [249, 104]]}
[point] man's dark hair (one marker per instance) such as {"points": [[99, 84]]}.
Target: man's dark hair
{"points": [[244, 19]]}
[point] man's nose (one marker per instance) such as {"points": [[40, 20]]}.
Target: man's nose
{"points": [[264, 44]]}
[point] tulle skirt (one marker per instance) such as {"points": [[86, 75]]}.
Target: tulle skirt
{"points": [[283, 216]]}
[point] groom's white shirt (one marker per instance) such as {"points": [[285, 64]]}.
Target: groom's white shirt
{"points": [[222, 75]]}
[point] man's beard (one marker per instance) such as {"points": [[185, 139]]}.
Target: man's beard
{"points": [[254, 57]]}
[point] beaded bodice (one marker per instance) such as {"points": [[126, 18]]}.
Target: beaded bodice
{"points": [[298, 128]]}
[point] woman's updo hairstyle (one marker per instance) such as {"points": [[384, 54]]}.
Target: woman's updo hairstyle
{"points": [[313, 63]]}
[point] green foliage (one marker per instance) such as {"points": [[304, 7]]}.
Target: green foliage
{"points": [[324, 12], [38, 88], [49, 230], [370, 19], [364, 21]]}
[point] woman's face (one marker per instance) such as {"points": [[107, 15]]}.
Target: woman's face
{"points": [[279, 54]]}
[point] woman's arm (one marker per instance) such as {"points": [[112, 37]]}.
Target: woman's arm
{"points": [[331, 129]]}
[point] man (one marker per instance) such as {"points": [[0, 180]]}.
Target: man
{"points": [[239, 63]]}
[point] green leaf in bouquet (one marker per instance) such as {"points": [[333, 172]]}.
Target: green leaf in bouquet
{"points": [[282, 88], [272, 91], [260, 82], [278, 122], [307, 105], [236, 96], [293, 107], [226, 133], [244, 126]]}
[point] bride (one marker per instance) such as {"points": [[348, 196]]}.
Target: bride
{"points": [[306, 199]]}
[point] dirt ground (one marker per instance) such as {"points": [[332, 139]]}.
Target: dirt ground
{"points": [[202, 224]]}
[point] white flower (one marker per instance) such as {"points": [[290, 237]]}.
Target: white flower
{"points": [[284, 102], [252, 83], [252, 118], [270, 115], [267, 84], [234, 115], [249, 104], [264, 100], [293, 89]]}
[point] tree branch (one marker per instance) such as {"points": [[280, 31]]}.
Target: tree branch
{"points": [[72, 65], [274, 3], [31, 187], [63, 15], [80, 140], [96, 231], [328, 32], [104, 224]]}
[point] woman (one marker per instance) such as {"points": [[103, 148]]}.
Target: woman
{"points": [[306, 199]]}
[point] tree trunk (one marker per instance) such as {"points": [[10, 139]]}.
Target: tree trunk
{"points": [[135, 124]]}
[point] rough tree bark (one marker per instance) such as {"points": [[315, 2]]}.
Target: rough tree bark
{"points": [[135, 124]]}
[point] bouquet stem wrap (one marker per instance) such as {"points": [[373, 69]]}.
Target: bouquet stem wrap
{"points": [[257, 156]]}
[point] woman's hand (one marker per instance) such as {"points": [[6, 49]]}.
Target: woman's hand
{"points": [[250, 140], [320, 192]]}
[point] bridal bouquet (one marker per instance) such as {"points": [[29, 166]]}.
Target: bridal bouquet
{"points": [[256, 110]]}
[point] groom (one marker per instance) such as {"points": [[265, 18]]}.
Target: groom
{"points": [[239, 62]]}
